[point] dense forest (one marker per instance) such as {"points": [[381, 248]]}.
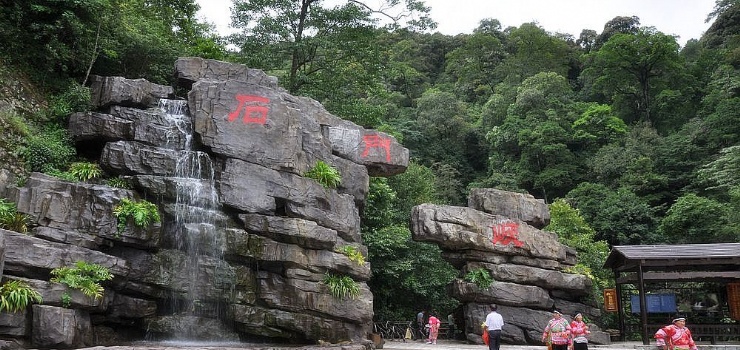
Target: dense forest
{"points": [[631, 138]]}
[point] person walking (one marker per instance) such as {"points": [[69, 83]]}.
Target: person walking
{"points": [[493, 326], [421, 322], [433, 328], [451, 326], [557, 332], [579, 330], [675, 336]]}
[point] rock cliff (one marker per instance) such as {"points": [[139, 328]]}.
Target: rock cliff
{"points": [[245, 241], [500, 233]]}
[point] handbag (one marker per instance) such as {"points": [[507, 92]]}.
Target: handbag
{"points": [[485, 337], [408, 333]]}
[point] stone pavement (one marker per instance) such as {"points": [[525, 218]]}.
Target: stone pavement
{"points": [[456, 345]]}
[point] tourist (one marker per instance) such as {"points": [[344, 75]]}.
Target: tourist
{"points": [[450, 326], [433, 328], [420, 322], [579, 330], [493, 326], [557, 332], [675, 336]]}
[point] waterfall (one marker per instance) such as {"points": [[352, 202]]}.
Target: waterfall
{"points": [[194, 230]]}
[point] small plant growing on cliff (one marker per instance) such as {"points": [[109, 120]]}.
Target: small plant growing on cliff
{"points": [[16, 295], [325, 174], [84, 277], [480, 277], [118, 182], [11, 219], [84, 171], [66, 300], [143, 213], [352, 253], [341, 287]]}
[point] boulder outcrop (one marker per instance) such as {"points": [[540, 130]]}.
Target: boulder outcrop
{"points": [[500, 233], [246, 241]]}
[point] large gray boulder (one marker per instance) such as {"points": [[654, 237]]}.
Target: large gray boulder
{"points": [[500, 234], [246, 241]]}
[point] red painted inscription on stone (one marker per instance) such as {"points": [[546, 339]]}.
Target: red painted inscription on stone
{"points": [[506, 233], [377, 141], [254, 109]]}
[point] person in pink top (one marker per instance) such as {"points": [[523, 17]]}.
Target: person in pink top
{"points": [[434, 324], [675, 336], [557, 332], [579, 330]]}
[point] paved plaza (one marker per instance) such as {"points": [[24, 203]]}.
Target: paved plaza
{"points": [[456, 345]]}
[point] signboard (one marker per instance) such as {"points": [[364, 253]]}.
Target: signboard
{"points": [[656, 303], [610, 300], [733, 297]]}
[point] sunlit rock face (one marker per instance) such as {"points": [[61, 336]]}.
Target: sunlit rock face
{"points": [[245, 240], [501, 233]]}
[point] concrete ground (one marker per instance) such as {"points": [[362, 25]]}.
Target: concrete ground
{"points": [[457, 345]]}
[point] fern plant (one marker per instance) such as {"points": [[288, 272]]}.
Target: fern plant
{"points": [[480, 277], [341, 287], [83, 276], [11, 219], [352, 253], [118, 182], [84, 171], [142, 212], [17, 295], [324, 174]]}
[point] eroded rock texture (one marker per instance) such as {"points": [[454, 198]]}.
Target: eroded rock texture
{"points": [[500, 232], [245, 239]]}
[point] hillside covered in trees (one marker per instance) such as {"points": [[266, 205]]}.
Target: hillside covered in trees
{"points": [[631, 138]]}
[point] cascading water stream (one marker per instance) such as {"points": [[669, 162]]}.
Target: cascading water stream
{"points": [[194, 226]]}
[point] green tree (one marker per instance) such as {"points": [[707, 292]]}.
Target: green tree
{"points": [[300, 40], [573, 231], [404, 271], [619, 217], [696, 219], [532, 50], [723, 174], [471, 66], [536, 138], [631, 69], [617, 25]]}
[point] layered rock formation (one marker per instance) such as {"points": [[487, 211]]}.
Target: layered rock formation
{"points": [[500, 232], [245, 240]]}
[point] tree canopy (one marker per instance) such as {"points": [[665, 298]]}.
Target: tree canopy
{"points": [[630, 137]]}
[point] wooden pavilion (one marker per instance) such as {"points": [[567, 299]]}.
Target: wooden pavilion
{"points": [[638, 266]]}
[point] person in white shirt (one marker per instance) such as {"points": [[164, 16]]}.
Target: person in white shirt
{"points": [[494, 324]]}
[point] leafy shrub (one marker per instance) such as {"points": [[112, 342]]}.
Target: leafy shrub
{"points": [[76, 98], [16, 295], [50, 150], [143, 213], [342, 287], [118, 182], [11, 123], [84, 277], [11, 219], [353, 254], [66, 300], [84, 171], [64, 175], [480, 277], [325, 174]]}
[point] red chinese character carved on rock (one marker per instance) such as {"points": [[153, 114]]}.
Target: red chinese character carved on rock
{"points": [[377, 141], [506, 233], [254, 107]]}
